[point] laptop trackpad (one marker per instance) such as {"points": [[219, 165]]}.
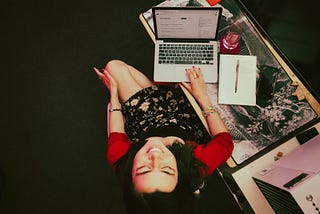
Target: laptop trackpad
{"points": [[181, 74]]}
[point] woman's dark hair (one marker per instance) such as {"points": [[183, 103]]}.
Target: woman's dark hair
{"points": [[180, 200]]}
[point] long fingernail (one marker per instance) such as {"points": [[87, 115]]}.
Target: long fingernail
{"points": [[96, 70]]}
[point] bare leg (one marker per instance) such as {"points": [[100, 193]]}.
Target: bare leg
{"points": [[141, 79], [129, 79]]}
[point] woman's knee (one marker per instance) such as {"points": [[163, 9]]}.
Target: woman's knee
{"points": [[115, 66]]}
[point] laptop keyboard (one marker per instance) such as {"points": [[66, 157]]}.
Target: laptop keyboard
{"points": [[185, 54]]}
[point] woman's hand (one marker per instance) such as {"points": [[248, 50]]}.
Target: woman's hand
{"points": [[197, 86], [108, 81]]}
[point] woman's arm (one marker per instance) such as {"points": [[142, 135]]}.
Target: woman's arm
{"points": [[220, 148], [118, 145], [216, 152], [116, 123], [214, 121], [198, 89]]}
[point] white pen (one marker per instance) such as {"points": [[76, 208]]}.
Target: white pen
{"points": [[237, 77]]}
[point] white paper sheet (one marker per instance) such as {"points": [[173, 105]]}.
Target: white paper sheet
{"points": [[237, 87]]}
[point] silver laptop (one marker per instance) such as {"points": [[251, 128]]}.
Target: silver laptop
{"points": [[185, 37]]}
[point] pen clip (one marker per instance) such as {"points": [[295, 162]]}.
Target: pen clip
{"points": [[237, 77]]}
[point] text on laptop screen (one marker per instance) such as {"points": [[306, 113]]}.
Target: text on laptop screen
{"points": [[186, 24]]}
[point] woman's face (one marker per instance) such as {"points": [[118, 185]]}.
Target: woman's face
{"points": [[155, 167]]}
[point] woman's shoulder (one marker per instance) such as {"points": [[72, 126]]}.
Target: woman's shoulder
{"points": [[216, 152]]}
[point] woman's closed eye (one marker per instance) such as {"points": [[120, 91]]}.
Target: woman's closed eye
{"points": [[145, 169], [168, 170]]}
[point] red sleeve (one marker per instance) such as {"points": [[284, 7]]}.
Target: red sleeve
{"points": [[216, 152], [118, 145]]}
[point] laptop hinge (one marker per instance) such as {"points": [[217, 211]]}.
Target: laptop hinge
{"points": [[187, 40]]}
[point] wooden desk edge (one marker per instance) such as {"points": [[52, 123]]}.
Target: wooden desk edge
{"points": [[147, 27]]}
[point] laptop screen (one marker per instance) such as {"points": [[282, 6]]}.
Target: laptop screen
{"points": [[186, 23]]}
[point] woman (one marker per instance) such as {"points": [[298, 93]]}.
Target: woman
{"points": [[157, 152]]}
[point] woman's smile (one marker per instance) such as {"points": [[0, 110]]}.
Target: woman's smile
{"points": [[154, 149]]}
